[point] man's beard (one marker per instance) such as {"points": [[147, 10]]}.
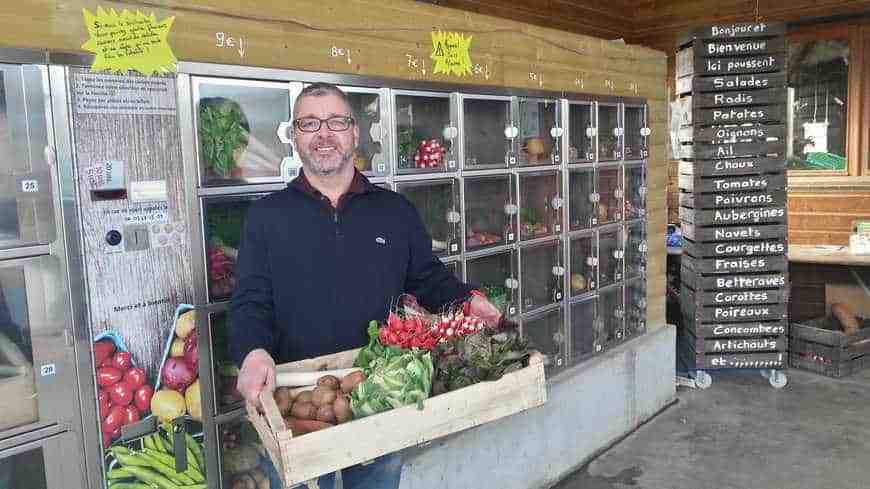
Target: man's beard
{"points": [[328, 164]]}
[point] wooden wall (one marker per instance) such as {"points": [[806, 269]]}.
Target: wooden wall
{"points": [[382, 37], [825, 217]]}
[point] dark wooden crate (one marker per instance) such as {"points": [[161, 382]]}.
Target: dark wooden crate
{"points": [[692, 181], [733, 233], [819, 346], [732, 199], [734, 216]]}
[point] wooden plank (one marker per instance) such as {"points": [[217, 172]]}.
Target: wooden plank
{"points": [[741, 330], [754, 132], [740, 98], [739, 115], [724, 83], [740, 183], [768, 63], [744, 345], [733, 298], [754, 360], [747, 248], [737, 282], [733, 233], [730, 150], [719, 217], [738, 47], [733, 199], [710, 266], [739, 31]]}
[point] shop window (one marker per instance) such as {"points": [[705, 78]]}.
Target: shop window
{"points": [[825, 127]]}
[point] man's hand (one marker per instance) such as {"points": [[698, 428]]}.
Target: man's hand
{"points": [[257, 373], [481, 307]]}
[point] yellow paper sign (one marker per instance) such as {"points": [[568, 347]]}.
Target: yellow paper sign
{"points": [[129, 41], [450, 53]]}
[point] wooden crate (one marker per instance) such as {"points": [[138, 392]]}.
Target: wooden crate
{"points": [[819, 346], [301, 459]]}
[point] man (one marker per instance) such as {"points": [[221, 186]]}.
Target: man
{"points": [[328, 254]]}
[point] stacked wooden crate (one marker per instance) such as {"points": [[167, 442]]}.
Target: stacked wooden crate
{"points": [[731, 80]]}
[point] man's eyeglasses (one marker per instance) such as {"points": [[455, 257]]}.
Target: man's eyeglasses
{"points": [[313, 124]]}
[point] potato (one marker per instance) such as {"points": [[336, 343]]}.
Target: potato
{"points": [[303, 410], [322, 396], [330, 381], [304, 397], [341, 408], [326, 414], [848, 322], [352, 380], [282, 399]]}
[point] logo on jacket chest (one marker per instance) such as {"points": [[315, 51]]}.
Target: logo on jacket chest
{"points": [[381, 241]]}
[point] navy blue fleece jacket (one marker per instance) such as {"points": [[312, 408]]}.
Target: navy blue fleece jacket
{"points": [[310, 277]]}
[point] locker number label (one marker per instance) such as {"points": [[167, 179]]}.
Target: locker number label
{"points": [[30, 186], [47, 370]]}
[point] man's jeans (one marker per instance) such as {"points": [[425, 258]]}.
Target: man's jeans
{"points": [[384, 473]]}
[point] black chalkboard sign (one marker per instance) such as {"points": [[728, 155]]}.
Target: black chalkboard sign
{"points": [[722, 298], [740, 183], [733, 233], [703, 249], [733, 281], [734, 31], [738, 115], [744, 345], [721, 217], [767, 63], [739, 98], [724, 83], [732, 199], [709, 151], [741, 330], [743, 360], [735, 314], [738, 47], [732, 166], [742, 133], [730, 266]]}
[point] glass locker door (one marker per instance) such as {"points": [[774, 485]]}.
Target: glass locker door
{"points": [[540, 132], [581, 132], [425, 132], [489, 133], [26, 195]]}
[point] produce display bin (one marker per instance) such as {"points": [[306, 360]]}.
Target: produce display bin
{"points": [[819, 346], [635, 307], [490, 211], [612, 314], [545, 332], [540, 204], [496, 275], [610, 192], [489, 133], [303, 458], [636, 132], [635, 255], [243, 458], [224, 223], [541, 276], [224, 371], [587, 335], [609, 132], [582, 199], [425, 133], [610, 255], [371, 156], [540, 134], [455, 268], [582, 264], [235, 130], [635, 191], [581, 132], [437, 201]]}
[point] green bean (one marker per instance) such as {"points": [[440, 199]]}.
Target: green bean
{"points": [[167, 470], [197, 450], [149, 477], [118, 472], [131, 485], [169, 461]]}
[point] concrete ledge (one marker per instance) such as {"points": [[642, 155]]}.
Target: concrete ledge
{"points": [[589, 406]]}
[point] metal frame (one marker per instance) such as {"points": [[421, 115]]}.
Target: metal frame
{"points": [[460, 109], [393, 136], [555, 158]]}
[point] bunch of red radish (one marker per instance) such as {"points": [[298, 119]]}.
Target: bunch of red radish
{"points": [[420, 329], [123, 395]]}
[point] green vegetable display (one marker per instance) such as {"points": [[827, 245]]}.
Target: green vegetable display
{"points": [[394, 377], [154, 465], [223, 129], [486, 355]]}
